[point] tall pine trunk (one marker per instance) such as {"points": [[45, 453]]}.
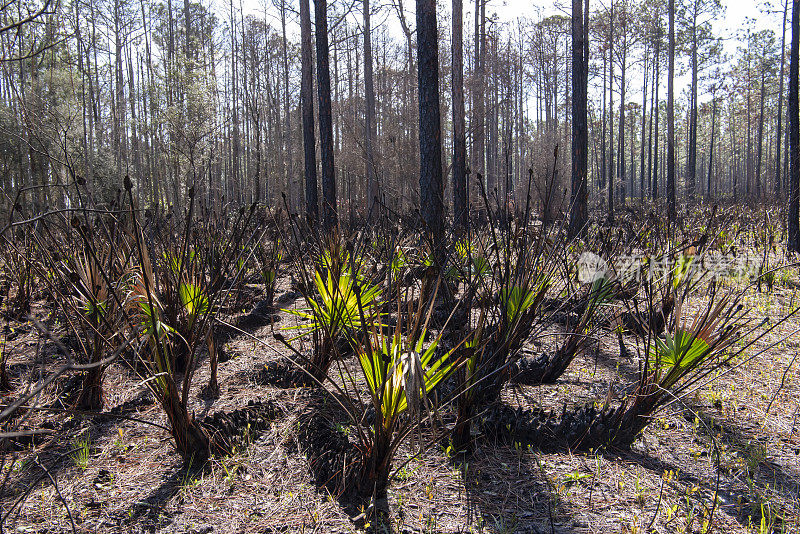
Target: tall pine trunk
{"points": [[307, 100], [691, 173], [793, 224], [713, 139], [430, 138], [460, 199], [369, 116], [779, 130], [644, 135], [671, 116], [654, 178], [580, 132], [478, 104], [611, 168], [759, 150], [329, 212], [290, 179]]}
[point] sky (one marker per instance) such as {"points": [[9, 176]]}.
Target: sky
{"points": [[736, 13], [765, 14]]}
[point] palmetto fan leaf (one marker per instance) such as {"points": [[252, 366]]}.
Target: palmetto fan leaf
{"points": [[194, 300], [336, 307], [92, 290], [516, 300], [680, 349], [389, 365], [689, 342]]}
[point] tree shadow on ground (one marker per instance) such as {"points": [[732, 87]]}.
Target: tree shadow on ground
{"points": [[149, 512], [508, 492], [261, 315], [742, 477], [60, 449], [333, 463]]}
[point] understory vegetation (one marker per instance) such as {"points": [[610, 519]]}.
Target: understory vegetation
{"points": [[420, 267], [367, 359]]}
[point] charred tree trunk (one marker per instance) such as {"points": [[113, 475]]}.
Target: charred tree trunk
{"points": [[654, 178], [711, 147], [460, 198], [478, 104], [307, 99], [369, 125], [793, 224], [644, 135], [430, 139], [330, 219], [691, 173], [611, 168], [671, 117], [779, 130], [290, 177], [759, 150], [580, 131]]}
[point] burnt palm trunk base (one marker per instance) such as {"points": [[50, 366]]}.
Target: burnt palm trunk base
{"points": [[544, 369], [462, 432], [269, 295], [339, 466], [485, 392], [211, 390], [324, 356], [374, 478], [5, 383], [91, 396], [581, 428], [231, 431], [330, 454], [191, 440], [219, 434]]}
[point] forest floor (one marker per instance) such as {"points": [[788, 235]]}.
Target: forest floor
{"points": [[122, 475]]}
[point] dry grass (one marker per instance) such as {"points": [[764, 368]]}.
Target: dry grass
{"points": [[737, 440]]}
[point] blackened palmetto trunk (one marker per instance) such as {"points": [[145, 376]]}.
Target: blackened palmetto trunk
{"points": [[330, 218], [191, 440], [793, 223], [377, 464], [307, 98], [580, 133], [91, 396], [430, 137]]}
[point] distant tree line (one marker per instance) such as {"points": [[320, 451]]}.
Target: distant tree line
{"points": [[246, 108]]}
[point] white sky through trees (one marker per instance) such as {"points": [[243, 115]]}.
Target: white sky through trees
{"points": [[731, 26]]}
